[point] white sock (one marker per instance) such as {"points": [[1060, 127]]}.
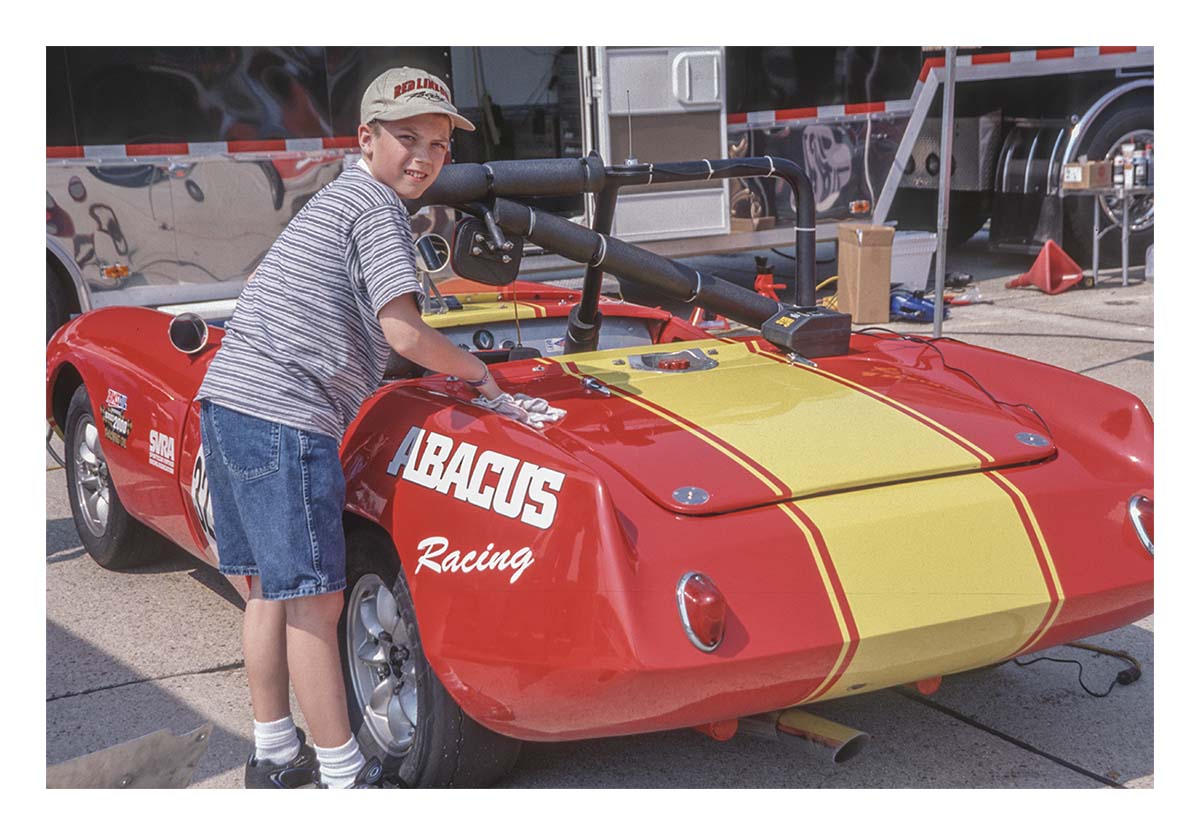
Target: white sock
{"points": [[339, 766], [276, 741]]}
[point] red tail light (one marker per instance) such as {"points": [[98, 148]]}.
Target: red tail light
{"points": [[702, 610], [1141, 511]]}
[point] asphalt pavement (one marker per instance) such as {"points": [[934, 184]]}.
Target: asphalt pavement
{"points": [[132, 652]]}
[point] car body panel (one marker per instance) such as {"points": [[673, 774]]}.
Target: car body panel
{"points": [[917, 539]]}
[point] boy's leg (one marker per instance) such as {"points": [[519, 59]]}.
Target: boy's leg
{"points": [[314, 662], [265, 651], [315, 665]]}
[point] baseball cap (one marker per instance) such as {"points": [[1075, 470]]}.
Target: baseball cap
{"points": [[403, 92]]}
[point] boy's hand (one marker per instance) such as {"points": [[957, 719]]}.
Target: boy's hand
{"points": [[531, 411]]}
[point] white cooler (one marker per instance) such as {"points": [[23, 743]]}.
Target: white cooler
{"points": [[912, 255]]}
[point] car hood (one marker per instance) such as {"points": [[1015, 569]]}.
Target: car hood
{"points": [[743, 427]]}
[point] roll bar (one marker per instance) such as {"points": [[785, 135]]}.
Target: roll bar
{"points": [[473, 186]]}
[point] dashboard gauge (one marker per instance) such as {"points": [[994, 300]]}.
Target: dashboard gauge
{"points": [[484, 340], [508, 345]]}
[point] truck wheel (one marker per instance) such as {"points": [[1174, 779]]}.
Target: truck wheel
{"points": [[114, 539], [1104, 142], [916, 208], [57, 305], [399, 711]]}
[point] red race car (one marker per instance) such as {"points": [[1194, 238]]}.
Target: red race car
{"points": [[721, 529]]}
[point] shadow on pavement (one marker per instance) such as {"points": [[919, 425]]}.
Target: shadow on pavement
{"points": [[78, 724]]}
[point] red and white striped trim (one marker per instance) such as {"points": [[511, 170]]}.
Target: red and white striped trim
{"points": [[839, 112], [826, 113], [200, 149], [1026, 57]]}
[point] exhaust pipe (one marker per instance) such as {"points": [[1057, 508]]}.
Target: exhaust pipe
{"points": [[799, 727]]}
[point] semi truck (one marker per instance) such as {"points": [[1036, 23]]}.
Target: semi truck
{"points": [[171, 170]]}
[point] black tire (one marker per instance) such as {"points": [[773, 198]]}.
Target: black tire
{"points": [[58, 306], [447, 748], [122, 541], [1077, 211], [916, 208]]}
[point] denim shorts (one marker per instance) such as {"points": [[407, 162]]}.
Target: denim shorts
{"points": [[277, 497]]}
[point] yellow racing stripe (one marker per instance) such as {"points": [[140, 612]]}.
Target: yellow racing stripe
{"points": [[766, 409], [982, 453], [940, 576], [482, 313], [843, 628], [936, 575], [732, 454], [1059, 595]]}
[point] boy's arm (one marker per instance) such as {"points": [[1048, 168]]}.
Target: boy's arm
{"points": [[411, 338]]}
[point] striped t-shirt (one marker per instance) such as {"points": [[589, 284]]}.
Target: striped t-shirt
{"points": [[304, 347]]}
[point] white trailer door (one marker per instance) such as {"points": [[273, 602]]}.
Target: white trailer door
{"points": [[672, 100]]}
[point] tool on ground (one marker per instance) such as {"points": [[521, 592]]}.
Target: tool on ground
{"points": [[910, 306], [972, 295]]}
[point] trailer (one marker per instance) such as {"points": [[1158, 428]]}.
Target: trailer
{"points": [[170, 171]]}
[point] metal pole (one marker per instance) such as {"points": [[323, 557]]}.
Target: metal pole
{"points": [[946, 156], [1125, 236]]}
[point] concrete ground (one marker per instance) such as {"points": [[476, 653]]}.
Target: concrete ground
{"points": [[131, 652]]}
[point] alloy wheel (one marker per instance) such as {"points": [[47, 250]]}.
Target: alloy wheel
{"points": [[382, 665], [91, 478]]}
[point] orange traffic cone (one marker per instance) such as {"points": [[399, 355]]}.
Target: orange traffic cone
{"points": [[1052, 272]]}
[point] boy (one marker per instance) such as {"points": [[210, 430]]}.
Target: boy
{"points": [[307, 343]]}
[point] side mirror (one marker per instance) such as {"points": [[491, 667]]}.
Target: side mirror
{"points": [[474, 256], [188, 333], [433, 252]]}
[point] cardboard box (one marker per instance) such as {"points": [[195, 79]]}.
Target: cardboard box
{"points": [[1093, 174], [865, 272]]}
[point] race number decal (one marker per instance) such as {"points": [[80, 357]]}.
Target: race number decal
{"points": [[202, 502]]}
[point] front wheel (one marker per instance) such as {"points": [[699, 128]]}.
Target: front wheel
{"points": [[114, 539], [399, 711]]}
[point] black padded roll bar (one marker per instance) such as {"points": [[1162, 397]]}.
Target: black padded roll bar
{"points": [[653, 271], [724, 169], [472, 182], [467, 186]]}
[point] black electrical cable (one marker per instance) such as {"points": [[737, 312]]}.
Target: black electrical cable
{"points": [[929, 343], [1127, 676]]}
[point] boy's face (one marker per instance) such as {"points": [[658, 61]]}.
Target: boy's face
{"points": [[407, 154]]}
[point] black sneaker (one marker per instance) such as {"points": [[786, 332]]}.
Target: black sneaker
{"points": [[298, 773], [368, 776]]}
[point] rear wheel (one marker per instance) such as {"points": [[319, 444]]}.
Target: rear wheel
{"points": [[399, 711], [114, 539]]}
